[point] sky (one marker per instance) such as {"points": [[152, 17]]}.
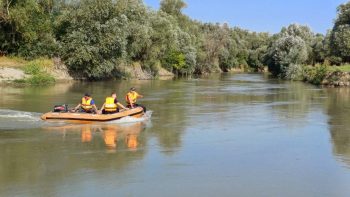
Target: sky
{"points": [[263, 15]]}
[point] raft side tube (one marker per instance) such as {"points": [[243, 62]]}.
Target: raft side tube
{"points": [[135, 112]]}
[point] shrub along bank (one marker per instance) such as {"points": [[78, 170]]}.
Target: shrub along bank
{"points": [[37, 72]]}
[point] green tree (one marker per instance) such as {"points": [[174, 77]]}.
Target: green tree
{"points": [[319, 49], [285, 51], [340, 35], [96, 39], [26, 27], [175, 61]]}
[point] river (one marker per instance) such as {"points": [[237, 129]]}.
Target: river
{"points": [[221, 135]]}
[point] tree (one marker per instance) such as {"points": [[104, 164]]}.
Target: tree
{"points": [[96, 39], [303, 32], [340, 35], [285, 51], [319, 49], [139, 28], [26, 28], [340, 41]]}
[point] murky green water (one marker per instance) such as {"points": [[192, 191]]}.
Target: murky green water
{"points": [[224, 135]]}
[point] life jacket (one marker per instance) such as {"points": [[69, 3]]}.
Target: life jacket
{"points": [[131, 97], [110, 106], [86, 104]]}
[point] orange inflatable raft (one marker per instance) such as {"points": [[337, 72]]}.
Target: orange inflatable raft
{"points": [[135, 112]]}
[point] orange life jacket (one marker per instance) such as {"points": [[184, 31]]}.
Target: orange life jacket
{"points": [[131, 97]]}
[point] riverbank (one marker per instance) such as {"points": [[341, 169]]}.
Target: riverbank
{"points": [[329, 76], [337, 79], [38, 71], [43, 70]]}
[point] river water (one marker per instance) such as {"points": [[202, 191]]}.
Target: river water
{"points": [[222, 135]]}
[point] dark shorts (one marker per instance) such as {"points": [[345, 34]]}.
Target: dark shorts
{"points": [[81, 110]]}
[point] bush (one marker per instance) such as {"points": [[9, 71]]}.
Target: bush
{"points": [[32, 69], [40, 79], [174, 61], [38, 66], [333, 60], [37, 72], [315, 75]]}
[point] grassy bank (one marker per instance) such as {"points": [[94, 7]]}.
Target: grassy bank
{"points": [[34, 72], [342, 68], [319, 74], [12, 62]]}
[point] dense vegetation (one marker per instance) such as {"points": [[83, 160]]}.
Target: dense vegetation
{"points": [[97, 38]]}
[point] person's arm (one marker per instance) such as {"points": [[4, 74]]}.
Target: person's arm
{"points": [[77, 107], [94, 107], [121, 106], [139, 95], [103, 106]]}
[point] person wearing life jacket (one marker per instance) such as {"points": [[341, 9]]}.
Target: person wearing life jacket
{"points": [[86, 105], [112, 105], [131, 98]]}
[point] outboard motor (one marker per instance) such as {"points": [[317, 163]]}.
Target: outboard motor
{"points": [[61, 108]]}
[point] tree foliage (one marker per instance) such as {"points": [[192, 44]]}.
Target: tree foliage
{"points": [[285, 51], [340, 34], [96, 37]]}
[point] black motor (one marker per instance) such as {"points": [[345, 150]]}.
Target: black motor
{"points": [[61, 108]]}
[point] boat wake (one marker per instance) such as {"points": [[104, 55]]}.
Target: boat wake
{"points": [[12, 119], [21, 115], [128, 120]]}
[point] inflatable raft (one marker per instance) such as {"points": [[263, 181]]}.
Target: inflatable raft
{"points": [[136, 112]]}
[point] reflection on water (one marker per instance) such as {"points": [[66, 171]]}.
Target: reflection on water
{"points": [[29, 158], [114, 136], [227, 135], [338, 108]]}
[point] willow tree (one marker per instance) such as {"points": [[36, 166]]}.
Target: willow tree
{"points": [[96, 37], [286, 51]]}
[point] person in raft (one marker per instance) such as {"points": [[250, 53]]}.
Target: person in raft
{"points": [[131, 99], [112, 105], [87, 105]]}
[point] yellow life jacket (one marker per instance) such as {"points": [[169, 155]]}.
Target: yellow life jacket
{"points": [[110, 106], [131, 97], [86, 104]]}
